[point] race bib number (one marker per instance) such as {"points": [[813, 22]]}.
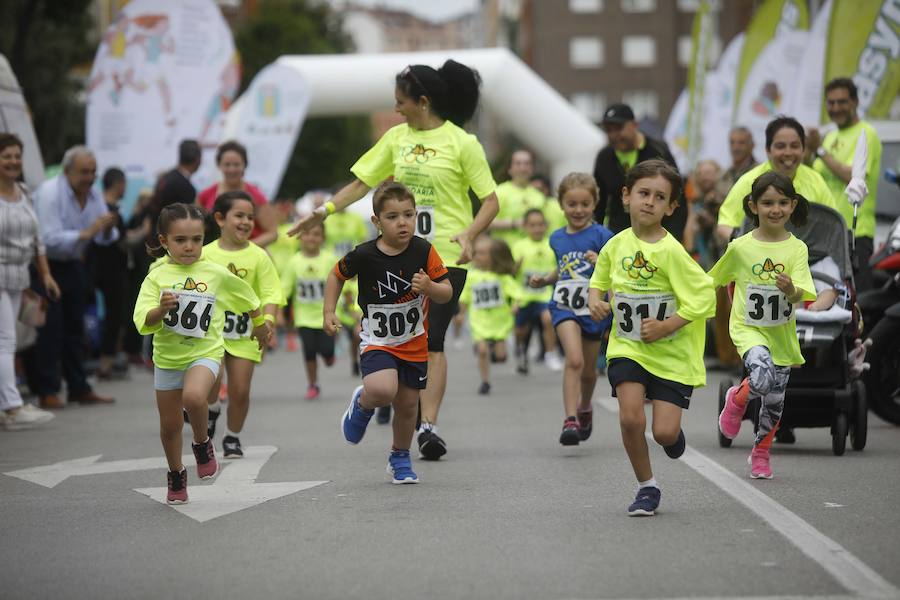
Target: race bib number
{"points": [[310, 290], [572, 295], [487, 295], [394, 324], [237, 326], [767, 307], [631, 309], [425, 222], [192, 315]]}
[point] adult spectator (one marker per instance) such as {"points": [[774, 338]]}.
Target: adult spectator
{"points": [[71, 213], [231, 158], [175, 186], [740, 145], [703, 212], [834, 162], [20, 243], [627, 147], [109, 263], [516, 197]]}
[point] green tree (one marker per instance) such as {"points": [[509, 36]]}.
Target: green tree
{"points": [[43, 40], [327, 146]]}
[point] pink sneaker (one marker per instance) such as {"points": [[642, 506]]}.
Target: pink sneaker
{"points": [[759, 464], [177, 492], [731, 416], [207, 465], [312, 392]]}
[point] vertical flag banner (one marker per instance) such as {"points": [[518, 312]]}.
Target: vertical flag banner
{"points": [[868, 51], [15, 118], [676, 135], [718, 105], [804, 100], [162, 69], [697, 72]]}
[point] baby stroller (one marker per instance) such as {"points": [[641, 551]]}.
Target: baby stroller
{"points": [[822, 393]]}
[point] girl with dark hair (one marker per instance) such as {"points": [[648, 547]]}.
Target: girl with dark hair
{"points": [[432, 155], [785, 143], [770, 269]]}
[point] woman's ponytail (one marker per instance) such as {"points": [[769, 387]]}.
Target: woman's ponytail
{"points": [[459, 103]]}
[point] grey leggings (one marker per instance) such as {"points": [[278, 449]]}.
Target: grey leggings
{"points": [[768, 383]]}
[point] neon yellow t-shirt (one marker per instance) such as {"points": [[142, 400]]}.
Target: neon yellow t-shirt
{"points": [[807, 183], [344, 231], [537, 258], [554, 214], [304, 279], [627, 159], [194, 329], [514, 203], [760, 314], [349, 313], [439, 166], [489, 297], [656, 280], [254, 266], [841, 143], [284, 247]]}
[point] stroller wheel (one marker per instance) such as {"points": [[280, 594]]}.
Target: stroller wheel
{"points": [[859, 430], [724, 442], [839, 434]]}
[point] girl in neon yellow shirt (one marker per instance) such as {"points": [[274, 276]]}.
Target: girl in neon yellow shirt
{"points": [[489, 296], [770, 270], [660, 299], [233, 212], [181, 303]]}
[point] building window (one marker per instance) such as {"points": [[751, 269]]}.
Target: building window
{"points": [[690, 6], [585, 52], [585, 6], [685, 45], [644, 103], [638, 51], [638, 6], [590, 104]]}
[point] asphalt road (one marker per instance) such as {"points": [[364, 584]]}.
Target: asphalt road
{"points": [[508, 513]]}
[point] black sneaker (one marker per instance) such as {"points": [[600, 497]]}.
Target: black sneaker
{"points": [[585, 423], [676, 449], [484, 389], [785, 436], [231, 446], [431, 446], [211, 419], [571, 432], [383, 415]]}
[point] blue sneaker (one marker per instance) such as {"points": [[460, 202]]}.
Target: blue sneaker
{"points": [[400, 467], [356, 419], [645, 503]]}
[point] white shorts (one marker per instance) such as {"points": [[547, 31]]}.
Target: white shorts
{"points": [[166, 380]]}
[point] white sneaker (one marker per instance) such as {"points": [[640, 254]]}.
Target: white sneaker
{"points": [[25, 418], [553, 361]]}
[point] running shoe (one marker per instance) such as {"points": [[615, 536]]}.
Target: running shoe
{"points": [[400, 468], [676, 449], [759, 464], [431, 446], [383, 415], [177, 487], [25, 418], [571, 432], [785, 435], [207, 465], [312, 392], [355, 419], [522, 362], [231, 446], [732, 414], [484, 389], [553, 361], [211, 419], [585, 423], [645, 503]]}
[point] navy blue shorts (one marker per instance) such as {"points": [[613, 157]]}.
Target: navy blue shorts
{"points": [[530, 313], [623, 370], [590, 329], [411, 374]]}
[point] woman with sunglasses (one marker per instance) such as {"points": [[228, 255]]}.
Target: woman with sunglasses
{"points": [[435, 158]]}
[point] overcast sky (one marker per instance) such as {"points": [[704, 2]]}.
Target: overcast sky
{"points": [[434, 10]]}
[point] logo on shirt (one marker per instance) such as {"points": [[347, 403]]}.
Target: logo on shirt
{"points": [[190, 285], [394, 285], [768, 270], [575, 265], [239, 272], [638, 267], [417, 154]]}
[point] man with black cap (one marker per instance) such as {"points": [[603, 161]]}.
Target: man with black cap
{"points": [[627, 147]]}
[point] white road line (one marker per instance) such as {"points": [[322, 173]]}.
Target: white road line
{"points": [[854, 575]]}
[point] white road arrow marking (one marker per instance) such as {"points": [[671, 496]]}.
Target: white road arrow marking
{"points": [[234, 489], [52, 475]]}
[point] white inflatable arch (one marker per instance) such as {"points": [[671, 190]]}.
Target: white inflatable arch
{"points": [[513, 94]]}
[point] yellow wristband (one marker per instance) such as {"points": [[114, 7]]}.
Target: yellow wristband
{"points": [[269, 318], [330, 208], [259, 320]]}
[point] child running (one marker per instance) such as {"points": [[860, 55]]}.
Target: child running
{"points": [[233, 212], [282, 250], [770, 269], [489, 296], [304, 279], [660, 298], [576, 247], [181, 303], [399, 276], [534, 257]]}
